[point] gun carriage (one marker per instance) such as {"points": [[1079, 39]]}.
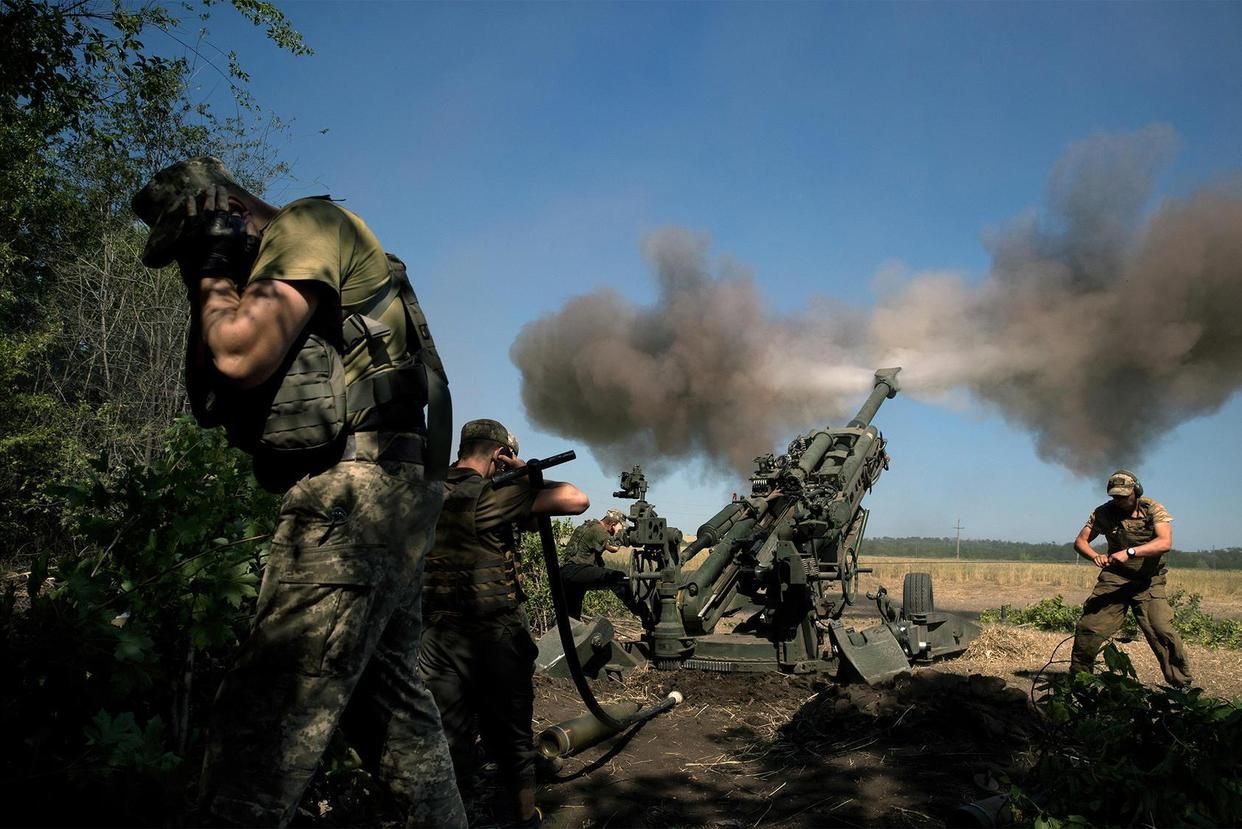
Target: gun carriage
{"points": [[765, 582]]}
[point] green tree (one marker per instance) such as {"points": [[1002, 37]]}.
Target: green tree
{"points": [[91, 343]]}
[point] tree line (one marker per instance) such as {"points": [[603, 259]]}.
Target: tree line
{"points": [[1225, 558]]}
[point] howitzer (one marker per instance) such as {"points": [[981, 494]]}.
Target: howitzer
{"points": [[783, 563]]}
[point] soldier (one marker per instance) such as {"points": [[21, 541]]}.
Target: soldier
{"points": [[582, 566], [337, 619], [1132, 575], [477, 654]]}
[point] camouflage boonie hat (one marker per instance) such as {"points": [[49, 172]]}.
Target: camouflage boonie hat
{"points": [[1121, 483], [616, 515], [161, 203], [486, 429]]}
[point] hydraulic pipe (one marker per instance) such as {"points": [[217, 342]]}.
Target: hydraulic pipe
{"points": [[713, 530]]}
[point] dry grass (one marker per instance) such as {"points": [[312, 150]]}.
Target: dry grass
{"points": [[1018, 655], [1222, 586]]}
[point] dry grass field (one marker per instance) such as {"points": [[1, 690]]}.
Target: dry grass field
{"points": [[974, 586]]}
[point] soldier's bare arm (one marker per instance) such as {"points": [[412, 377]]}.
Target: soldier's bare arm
{"points": [[1082, 545], [560, 498], [250, 334], [556, 497]]}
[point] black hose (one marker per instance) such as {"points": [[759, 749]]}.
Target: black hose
{"points": [[548, 543], [534, 469]]}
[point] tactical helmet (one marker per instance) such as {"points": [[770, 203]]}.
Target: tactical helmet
{"points": [[1124, 482], [616, 516], [487, 429], [161, 203]]}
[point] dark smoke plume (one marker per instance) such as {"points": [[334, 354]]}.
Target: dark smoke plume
{"points": [[1102, 324], [1099, 328], [706, 371]]}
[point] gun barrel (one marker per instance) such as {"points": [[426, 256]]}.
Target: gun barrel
{"points": [[886, 388]]}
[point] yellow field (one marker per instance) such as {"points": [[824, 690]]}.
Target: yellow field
{"points": [[974, 586], [1217, 585]]}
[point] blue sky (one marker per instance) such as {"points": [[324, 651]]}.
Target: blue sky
{"points": [[516, 155]]}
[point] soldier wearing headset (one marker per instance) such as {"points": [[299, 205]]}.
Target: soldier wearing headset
{"points": [[1133, 574]]}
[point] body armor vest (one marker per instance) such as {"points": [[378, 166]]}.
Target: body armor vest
{"points": [[468, 573], [295, 423], [1132, 532]]}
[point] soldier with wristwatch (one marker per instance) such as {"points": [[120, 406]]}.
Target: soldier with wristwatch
{"points": [[1133, 575]]}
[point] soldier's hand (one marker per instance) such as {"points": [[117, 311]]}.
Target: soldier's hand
{"points": [[1101, 560], [218, 243], [508, 462]]}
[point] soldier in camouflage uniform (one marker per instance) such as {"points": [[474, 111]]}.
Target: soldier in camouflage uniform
{"points": [[582, 563], [338, 619], [1133, 575], [477, 656]]}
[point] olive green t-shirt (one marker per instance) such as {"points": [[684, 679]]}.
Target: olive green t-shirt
{"points": [[1122, 531], [587, 544], [316, 240]]}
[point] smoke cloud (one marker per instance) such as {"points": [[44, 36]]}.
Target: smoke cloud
{"points": [[1098, 328], [1102, 324], [707, 370]]}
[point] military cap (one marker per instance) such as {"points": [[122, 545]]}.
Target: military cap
{"points": [[1121, 483], [487, 429], [161, 203], [616, 515]]}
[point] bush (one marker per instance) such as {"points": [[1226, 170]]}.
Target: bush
{"points": [[1190, 620], [110, 670], [1117, 753]]}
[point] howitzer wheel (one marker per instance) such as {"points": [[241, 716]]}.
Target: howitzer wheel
{"points": [[849, 576], [916, 594]]}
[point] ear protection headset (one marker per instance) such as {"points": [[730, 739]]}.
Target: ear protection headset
{"points": [[1138, 487]]}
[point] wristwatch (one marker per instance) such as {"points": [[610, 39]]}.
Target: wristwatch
{"points": [[1129, 552]]}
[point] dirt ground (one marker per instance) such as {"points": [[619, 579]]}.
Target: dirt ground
{"points": [[771, 750], [764, 750]]}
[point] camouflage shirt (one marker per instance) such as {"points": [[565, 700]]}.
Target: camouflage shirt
{"points": [[587, 544], [1122, 531]]}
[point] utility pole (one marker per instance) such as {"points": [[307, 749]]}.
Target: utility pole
{"points": [[958, 526]]}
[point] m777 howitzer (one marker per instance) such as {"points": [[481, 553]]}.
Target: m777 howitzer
{"points": [[784, 561]]}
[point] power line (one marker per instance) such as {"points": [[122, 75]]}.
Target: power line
{"points": [[958, 526]]}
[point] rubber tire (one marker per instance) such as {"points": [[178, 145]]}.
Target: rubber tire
{"points": [[916, 594]]}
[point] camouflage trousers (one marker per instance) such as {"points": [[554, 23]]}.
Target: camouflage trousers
{"points": [[338, 624], [1105, 610]]}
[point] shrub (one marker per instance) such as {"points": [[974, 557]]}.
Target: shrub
{"points": [[1117, 753], [1190, 620], [110, 670]]}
